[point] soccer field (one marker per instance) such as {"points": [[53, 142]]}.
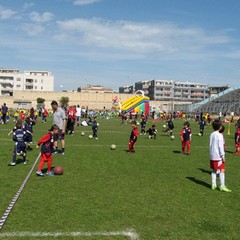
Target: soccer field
{"points": [[156, 193]]}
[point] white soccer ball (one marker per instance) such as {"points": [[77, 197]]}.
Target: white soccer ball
{"points": [[90, 136], [113, 147], [164, 126], [172, 137], [82, 133], [97, 124], [138, 123], [199, 134]]}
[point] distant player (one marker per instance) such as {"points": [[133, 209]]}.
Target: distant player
{"points": [[95, 128], [202, 124], [186, 135], [124, 117], [28, 127], [143, 124], [217, 156], [152, 131], [133, 137], [170, 127], [47, 142], [20, 146], [237, 139]]}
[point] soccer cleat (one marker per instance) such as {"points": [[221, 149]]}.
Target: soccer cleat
{"points": [[214, 187], [236, 153], [39, 173], [12, 164], [50, 173], [225, 189]]}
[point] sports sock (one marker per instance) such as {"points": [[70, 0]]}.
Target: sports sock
{"points": [[214, 178], [222, 179]]}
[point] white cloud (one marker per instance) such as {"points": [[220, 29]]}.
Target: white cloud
{"points": [[40, 18], [6, 13], [28, 5], [139, 37], [32, 29], [85, 2]]}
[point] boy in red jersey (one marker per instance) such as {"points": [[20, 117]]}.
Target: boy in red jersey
{"points": [[47, 142], [133, 137], [186, 135]]}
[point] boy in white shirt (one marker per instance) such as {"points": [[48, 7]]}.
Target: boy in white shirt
{"points": [[217, 156]]}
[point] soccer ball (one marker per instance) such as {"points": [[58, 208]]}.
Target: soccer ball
{"points": [[82, 133], [58, 170], [90, 136], [164, 126], [172, 137], [199, 134], [97, 124], [138, 123], [113, 147]]}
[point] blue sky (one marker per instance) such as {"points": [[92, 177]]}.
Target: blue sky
{"points": [[119, 42]]}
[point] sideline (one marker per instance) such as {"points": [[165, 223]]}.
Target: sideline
{"points": [[15, 198], [131, 234]]}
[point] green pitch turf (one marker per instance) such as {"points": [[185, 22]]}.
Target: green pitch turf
{"points": [[156, 193]]}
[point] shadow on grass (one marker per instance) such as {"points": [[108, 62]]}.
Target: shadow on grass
{"points": [[227, 151], [200, 182], [205, 171], [177, 152]]}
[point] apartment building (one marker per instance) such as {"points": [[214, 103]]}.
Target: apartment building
{"points": [[127, 89], [173, 90], [13, 79]]}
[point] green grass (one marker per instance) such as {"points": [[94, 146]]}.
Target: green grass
{"points": [[158, 192]]}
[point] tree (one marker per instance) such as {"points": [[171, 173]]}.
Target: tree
{"points": [[64, 101], [40, 102]]}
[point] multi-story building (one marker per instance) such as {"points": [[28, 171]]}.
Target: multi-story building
{"points": [[126, 89], [143, 86], [13, 79], [177, 91]]}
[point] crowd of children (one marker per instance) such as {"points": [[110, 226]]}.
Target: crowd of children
{"points": [[25, 120]]}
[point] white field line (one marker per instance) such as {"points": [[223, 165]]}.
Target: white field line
{"points": [[18, 193], [131, 234]]}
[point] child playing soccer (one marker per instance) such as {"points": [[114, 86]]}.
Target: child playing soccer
{"points": [[170, 126], [202, 124], [47, 142], [237, 139], [186, 135], [28, 127], [20, 145], [217, 156], [152, 131], [133, 137], [95, 128], [143, 124]]}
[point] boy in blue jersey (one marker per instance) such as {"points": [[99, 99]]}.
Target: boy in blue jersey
{"points": [[19, 137]]}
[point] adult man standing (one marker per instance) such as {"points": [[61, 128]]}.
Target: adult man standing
{"points": [[4, 113], [59, 118]]}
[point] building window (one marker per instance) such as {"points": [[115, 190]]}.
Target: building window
{"points": [[35, 87], [18, 79], [41, 88], [41, 81], [18, 86], [35, 80]]}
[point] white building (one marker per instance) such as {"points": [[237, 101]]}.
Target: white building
{"points": [[13, 79], [166, 90]]}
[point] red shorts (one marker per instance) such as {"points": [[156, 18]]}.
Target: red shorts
{"points": [[186, 143], [216, 165], [238, 145]]}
